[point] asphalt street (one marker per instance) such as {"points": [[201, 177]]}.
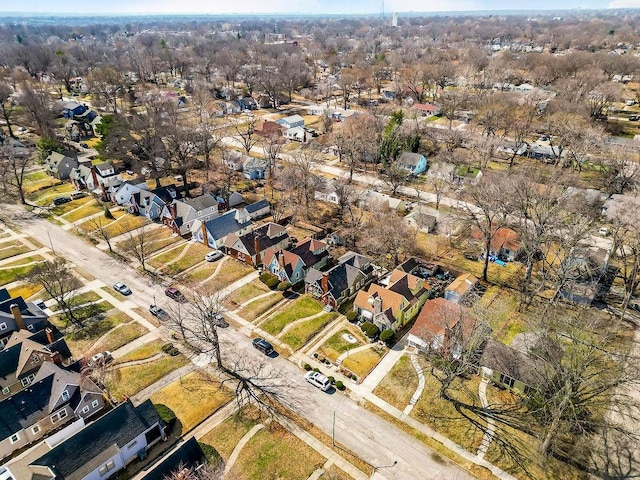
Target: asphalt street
{"points": [[373, 439]]}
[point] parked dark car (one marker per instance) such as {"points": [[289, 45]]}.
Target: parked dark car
{"points": [[219, 321], [61, 200], [175, 294], [156, 311], [262, 345], [121, 288]]}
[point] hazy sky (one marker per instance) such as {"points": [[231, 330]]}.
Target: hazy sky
{"points": [[293, 6]]}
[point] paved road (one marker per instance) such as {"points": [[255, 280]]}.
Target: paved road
{"points": [[369, 436]]}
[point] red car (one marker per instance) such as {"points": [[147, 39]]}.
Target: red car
{"points": [[175, 294]]}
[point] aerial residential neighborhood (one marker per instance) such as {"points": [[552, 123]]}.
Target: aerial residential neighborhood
{"points": [[342, 246]]}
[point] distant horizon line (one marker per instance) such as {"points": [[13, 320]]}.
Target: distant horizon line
{"points": [[292, 14]]}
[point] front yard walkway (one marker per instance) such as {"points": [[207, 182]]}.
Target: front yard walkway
{"points": [[383, 367], [236, 451], [421, 383]]}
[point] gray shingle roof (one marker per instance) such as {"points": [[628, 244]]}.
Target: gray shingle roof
{"points": [[118, 427], [225, 224], [256, 206], [409, 158]]}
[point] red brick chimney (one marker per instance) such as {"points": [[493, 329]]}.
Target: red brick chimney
{"points": [[49, 333], [95, 177], [324, 282], [256, 247], [15, 311], [281, 259], [205, 237]]}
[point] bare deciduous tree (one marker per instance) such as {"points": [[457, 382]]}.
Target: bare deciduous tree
{"points": [[60, 283]]}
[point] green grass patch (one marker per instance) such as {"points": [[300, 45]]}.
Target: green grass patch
{"points": [[81, 299], [302, 307], [269, 454], [226, 436], [442, 416], [65, 208], [298, 335], [257, 308], [120, 336], [23, 261], [81, 340], [90, 208], [361, 363], [46, 195], [130, 380], [33, 190], [165, 258], [399, 385], [245, 293], [145, 351], [194, 254], [90, 225], [11, 249], [161, 238], [232, 271], [179, 395], [336, 345], [125, 223], [200, 274], [35, 176], [13, 274]]}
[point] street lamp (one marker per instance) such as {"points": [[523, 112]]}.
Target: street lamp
{"points": [[50, 242], [154, 300], [375, 469]]}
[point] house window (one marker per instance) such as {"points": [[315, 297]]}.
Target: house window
{"points": [[107, 467], [6, 391], [29, 327], [507, 380], [65, 396], [36, 359], [35, 429], [3, 326], [85, 409], [95, 404], [26, 381], [56, 417], [14, 438], [130, 445]]}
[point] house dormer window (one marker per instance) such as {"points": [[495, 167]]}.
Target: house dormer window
{"points": [[65, 396], [36, 359]]}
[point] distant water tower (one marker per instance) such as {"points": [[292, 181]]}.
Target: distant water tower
{"points": [[394, 19]]}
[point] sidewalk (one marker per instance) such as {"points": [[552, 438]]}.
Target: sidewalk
{"points": [[384, 367]]}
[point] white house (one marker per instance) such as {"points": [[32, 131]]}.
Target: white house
{"points": [[291, 121]]}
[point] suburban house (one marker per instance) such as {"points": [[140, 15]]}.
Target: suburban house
{"points": [[460, 289], [291, 265], [254, 168], [269, 129], [124, 193], [413, 163], [372, 197], [421, 221], [16, 314], [247, 103], [71, 109], [188, 455], [505, 243], [394, 305], [216, 230], [442, 326], [426, 109], [250, 247], [24, 354], [327, 193], [180, 213], [150, 203], [516, 367], [81, 176], [55, 397], [234, 159], [341, 282], [103, 180], [105, 446], [616, 205], [291, 121], [258, 209], [297, 134], [587, 275], [59, 165]]}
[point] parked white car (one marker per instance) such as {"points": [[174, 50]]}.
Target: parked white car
{"points": [[213, 256], [318, 380]]}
